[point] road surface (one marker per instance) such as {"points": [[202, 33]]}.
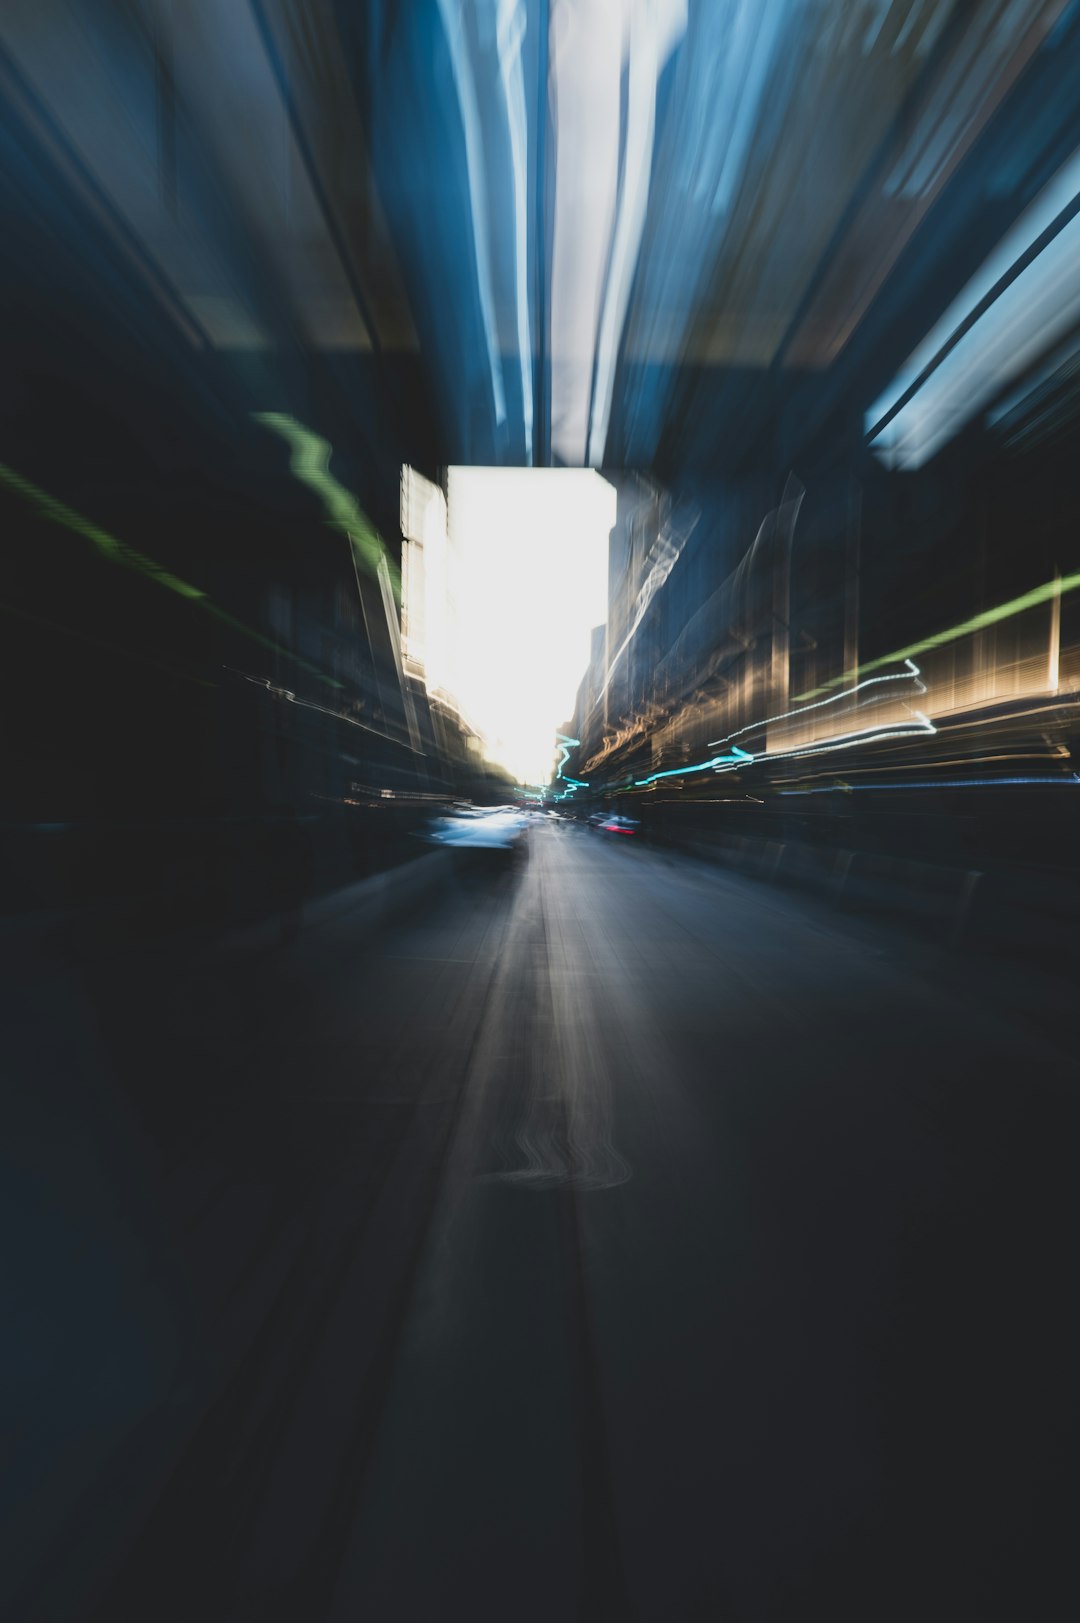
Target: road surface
{"points": [[616, 1239]]}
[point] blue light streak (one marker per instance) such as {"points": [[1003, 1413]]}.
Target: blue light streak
{"points": [[567, 745], [719, 763], [739, 757], [469, 106], [575, 784]]}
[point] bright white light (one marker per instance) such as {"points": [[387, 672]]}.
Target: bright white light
{"points": [[527, 562], [423, 577]]}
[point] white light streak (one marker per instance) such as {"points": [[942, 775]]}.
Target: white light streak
{"points": [[1027, 317], [802, 710]]}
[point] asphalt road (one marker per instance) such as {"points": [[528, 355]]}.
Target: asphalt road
{"points": [[616, 1240]]}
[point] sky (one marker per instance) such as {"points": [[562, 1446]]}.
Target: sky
{"points": [[527, 582]]}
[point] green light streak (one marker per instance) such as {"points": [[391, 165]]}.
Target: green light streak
{"points": [[978, 622], [309, 461], [115, 551]]}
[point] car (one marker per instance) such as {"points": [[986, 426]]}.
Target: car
{"points": [[481, 838], [610, 823]]}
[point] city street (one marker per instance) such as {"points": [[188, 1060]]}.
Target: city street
{"points": [[539, 884]]}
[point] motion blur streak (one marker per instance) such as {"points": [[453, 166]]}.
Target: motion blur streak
{"points": [[803, 709], [541, 912], [119, 552], [1043, 780], [1025, 296], [470, 119], [1050, 592], [310, 462], [601, 192], [109, 547], [511, 25]]}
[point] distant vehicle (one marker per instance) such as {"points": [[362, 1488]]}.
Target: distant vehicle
{"points": [[607, 823]]}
